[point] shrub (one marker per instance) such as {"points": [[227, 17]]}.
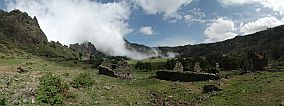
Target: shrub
{"points": [[3, 101], [83, 80], [50, 90], [143, 65], [170, 64]]}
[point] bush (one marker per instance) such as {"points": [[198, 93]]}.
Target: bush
{"points": [[2, 101], [50, 90], [143, 65], [170, 64], [83, 80]]}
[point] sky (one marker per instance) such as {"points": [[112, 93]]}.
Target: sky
{"points": [[149, 22]]}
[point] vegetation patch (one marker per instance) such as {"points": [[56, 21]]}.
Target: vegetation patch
{"points": [[83, 80], [50, 90]]}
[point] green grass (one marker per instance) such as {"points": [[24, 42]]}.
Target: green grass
{"points": [[148, 60], [265, 88]]}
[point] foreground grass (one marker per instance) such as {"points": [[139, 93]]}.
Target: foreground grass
{"points": [[253, 89]]}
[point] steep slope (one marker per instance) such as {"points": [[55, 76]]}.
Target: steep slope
{"points": [[21, 33], [269, 41], [143, 49], [20, 27]]}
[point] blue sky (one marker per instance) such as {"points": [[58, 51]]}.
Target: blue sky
{"points": [[181, 22]]}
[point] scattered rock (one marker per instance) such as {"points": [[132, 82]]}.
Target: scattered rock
{"points": [[33, 99], [106, 87], [22, 70], [282, 103], [16, 102], [210, 88]]}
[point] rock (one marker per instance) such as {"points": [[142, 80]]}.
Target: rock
{"points": [[33, 99], [210, 88], [106, 87], [22, 70], [15, 102]]}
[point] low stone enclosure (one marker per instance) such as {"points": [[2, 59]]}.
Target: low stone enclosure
{"points": [[185, 76], [177, 74], [120, 70]]}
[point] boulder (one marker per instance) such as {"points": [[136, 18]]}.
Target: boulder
{"points": [[210, 88]]}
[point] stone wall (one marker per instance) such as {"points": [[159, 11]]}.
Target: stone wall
{"points": [[107, 71], [185, 77]]}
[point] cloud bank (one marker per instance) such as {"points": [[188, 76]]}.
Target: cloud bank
{"points": [[221, 29], [148, 31], [168, 8], [72, 21], [259, 25]]}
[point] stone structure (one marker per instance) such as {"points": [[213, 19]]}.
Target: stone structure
{"points": [[121, 70], [122, 66], [185, 76], [254, 61], [197, 67], [107, 71], [178, 67], [107, 63]]}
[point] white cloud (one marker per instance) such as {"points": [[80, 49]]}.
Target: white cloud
{"points": [[276, 5], [220, 29], [259, 25], [195, 15], [174, 41], [168, 8], [72, 21], [146, 30]]}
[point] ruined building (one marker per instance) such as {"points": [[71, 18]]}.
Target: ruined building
{"points": [[120, 70], [178, 67], [254, 61]]}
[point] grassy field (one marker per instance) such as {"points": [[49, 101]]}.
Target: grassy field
{"points": [[252, 89]]}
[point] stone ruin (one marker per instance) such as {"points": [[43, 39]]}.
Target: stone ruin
{"points": [[254, 61], [120, 70], [197, 67], [177, 74], [178, 67]]}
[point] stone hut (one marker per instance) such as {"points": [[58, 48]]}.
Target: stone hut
{"points": [[121, 70], [178, 67], [107, 63], [254, 61]]}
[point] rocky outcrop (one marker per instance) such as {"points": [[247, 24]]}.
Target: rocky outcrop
{"points": [[185, 76], [21, 28], [87, 48]]}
